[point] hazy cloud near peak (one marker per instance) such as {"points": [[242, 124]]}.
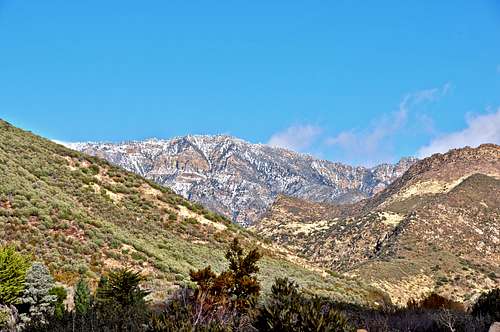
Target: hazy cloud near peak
{"points": [[61, 142], [425, 95], [375, 142], [480, 129], [297, 138]]}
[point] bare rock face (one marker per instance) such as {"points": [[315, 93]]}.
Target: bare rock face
{"points": [[239, 179]]}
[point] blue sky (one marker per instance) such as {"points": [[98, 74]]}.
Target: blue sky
{"points": [[354, 81]]}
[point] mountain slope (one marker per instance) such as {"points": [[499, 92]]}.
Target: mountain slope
{"points": [[434, 229], [240, 180], [81, 215]]}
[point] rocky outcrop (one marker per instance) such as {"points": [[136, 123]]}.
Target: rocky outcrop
{"points": [[239, 179]]}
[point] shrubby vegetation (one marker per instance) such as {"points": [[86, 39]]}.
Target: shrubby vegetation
{"points": [[78, 213], [81, 215], [228, 301]]}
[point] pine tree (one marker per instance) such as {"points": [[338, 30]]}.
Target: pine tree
{"points": [[123, 287], [243, 269], [37, 296], [288, 309], [82, 297], [237, 286], [13, 267]]}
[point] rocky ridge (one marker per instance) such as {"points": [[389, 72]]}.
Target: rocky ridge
{"points": [[241, 180]]}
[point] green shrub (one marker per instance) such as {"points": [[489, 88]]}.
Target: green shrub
{"points": [[13, 267], [82, 297], [36, 295], [287, 309], [123, 287], [237, 287], [61, 294]]}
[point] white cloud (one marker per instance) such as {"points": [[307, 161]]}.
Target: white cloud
{"points": [[60, 142], [373, 145], [480, 129], [370, 146], [427, 95], [69, 145], [297, 138]]}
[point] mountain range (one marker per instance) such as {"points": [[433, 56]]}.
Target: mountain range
{"points": [[241, 180], [359, 235], [83, 216], [434, 229]]}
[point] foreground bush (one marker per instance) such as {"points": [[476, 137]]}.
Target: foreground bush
{"points": [[435, 301], [289, 310], [118, 305], [102, 319], [8, 318], [488, 304], [431, 314], [36, 295], [122, 287], [13, 267], [225, 301]]}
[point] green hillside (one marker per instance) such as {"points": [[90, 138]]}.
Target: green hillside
{"points": [[81, 215]]}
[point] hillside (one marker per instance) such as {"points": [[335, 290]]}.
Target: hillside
{"points": [[81, 215], [241, 180], [434, 229]]}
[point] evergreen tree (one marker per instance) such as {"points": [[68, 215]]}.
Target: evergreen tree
{"points": [[61, 294], [82, 297], [123, 287], [238, 285], [37, 296], [288, 309], [100, 295], [246, 287], [13, 267]]}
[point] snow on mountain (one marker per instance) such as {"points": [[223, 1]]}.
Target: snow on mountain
{"points": [[240, 179]]}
